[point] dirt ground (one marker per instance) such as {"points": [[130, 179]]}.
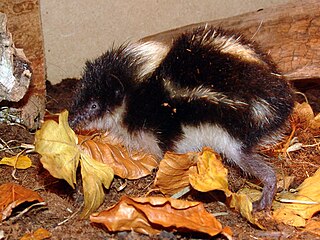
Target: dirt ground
{"points": [[60, 215]]}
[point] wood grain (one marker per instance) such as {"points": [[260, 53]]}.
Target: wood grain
{"points": [[290, 33]]}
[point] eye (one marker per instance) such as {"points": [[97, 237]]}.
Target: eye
{"points": [[94, 106]]}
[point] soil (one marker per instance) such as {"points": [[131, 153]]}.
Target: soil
{"points": [[61, 214]]}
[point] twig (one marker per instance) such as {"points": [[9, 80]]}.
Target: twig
{"points": [[220, 214], [7, 146], [287, 144], [181, 192], [70, 217], [11, 220], [283, 200], [44, 186], [272, 235]]}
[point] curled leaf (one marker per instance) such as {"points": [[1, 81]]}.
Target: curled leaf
{"points": [[242, 202], [60, 155], [211, 174], [152, 214], [57, 144], [174, 170], [131, 165], [12, 195], [304, 115], [315, 124]]}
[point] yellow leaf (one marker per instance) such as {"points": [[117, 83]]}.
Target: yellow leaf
{"points": [[309, 191], [19, 162], [211, 174], [243, 204], [94, 175], [57, 144], [302, 204], [289, 217]]}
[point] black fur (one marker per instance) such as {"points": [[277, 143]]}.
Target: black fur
{"points": [[193, 61]]}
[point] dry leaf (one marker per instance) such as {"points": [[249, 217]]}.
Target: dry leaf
{"points": [[12, 195], [305, 203], [133, 165], [39, 234], [19, 162], [57, 144], [313, 226], [94, 175], [304, 115], [294, 147], [153, 214], [285, 182], [242, 202], [315, 124], [211, 174], [174, 170], [289, 217]]}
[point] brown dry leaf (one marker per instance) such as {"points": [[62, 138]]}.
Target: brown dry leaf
{"points": [[94, 175], [133, 165], [12, 195], [152, 214], [57, 144], [285, 182], [305, 203], [304, 115], [211, 174], [18, 162], [315, 124], [39, 234], [174, 171], [303, 112]]}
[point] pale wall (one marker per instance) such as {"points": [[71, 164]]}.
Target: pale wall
{"points": [[76, 30]]}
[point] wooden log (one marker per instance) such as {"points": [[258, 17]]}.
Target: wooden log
{"points": [[290, 33], [25, 25]]}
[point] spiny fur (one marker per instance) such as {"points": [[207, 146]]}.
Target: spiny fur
{"points": [[210, 88]]}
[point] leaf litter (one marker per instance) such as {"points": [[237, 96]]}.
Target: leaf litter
{"points": [[137, 186]]}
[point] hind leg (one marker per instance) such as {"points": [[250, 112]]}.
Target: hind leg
{"points": [[254, 165]]}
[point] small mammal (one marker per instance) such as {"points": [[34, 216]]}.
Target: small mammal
{"points": [[210, 88]]}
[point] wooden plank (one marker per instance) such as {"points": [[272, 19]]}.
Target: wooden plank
{"points": [[290, 33]]}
